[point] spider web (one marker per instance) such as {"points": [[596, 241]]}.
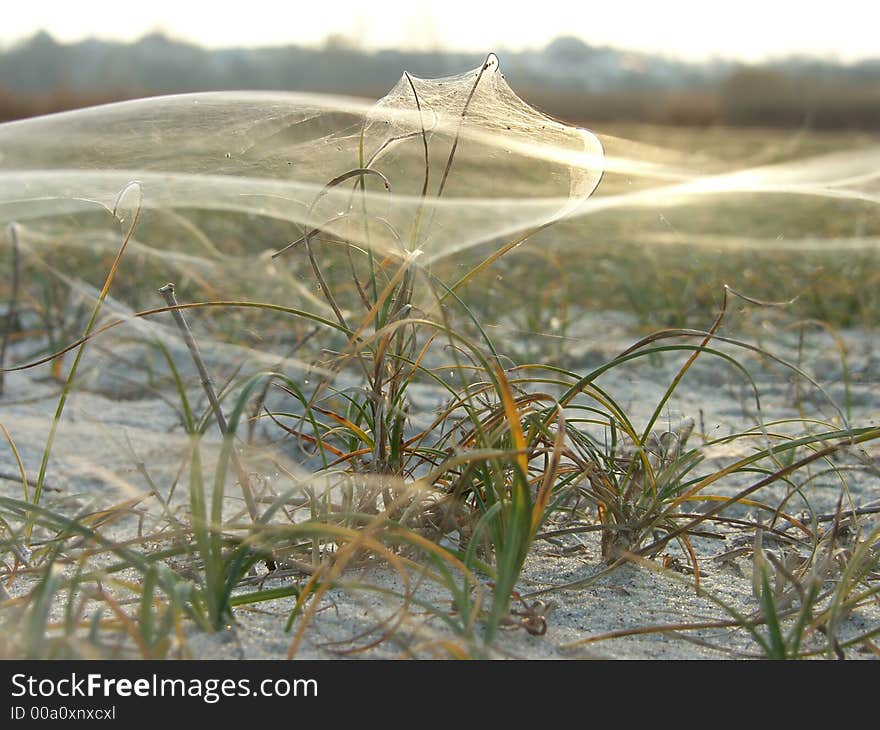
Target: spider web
{"points": [[494, 165]]}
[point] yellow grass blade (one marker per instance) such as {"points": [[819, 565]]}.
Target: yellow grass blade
{"points": [[512, 414]]}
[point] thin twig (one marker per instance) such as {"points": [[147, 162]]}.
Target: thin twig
{"points": [[13, 477], [167, 292], [857, 512]]}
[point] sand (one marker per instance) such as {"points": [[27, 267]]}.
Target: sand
{"points": [[102, 439]]}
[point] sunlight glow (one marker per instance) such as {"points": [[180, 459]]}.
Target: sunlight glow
{"points": [[747, 30]]}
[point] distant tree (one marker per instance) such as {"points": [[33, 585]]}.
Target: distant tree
{"points": [[760, 96]]}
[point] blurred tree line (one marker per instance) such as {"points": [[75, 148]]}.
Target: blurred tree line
{"points": [[568, 79]]}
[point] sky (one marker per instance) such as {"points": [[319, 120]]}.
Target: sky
{"points": [[748, 30]]}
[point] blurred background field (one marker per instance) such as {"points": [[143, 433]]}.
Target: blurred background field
{"points": [[568, 78]]}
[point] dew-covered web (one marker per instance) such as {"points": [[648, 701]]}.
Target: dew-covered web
{"points": [[493, 131], [271, 154], [438, 169], [500, 165]]}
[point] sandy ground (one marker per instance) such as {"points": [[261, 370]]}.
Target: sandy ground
{"points": [[103, 438]]}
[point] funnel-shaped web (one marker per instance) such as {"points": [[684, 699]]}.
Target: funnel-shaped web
{"points": [[454, 161]]}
